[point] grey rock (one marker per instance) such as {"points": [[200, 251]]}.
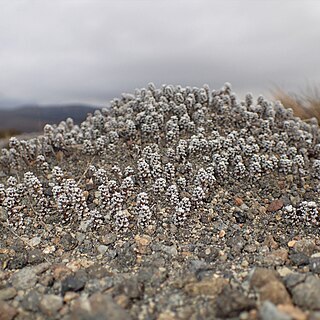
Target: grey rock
{"points": [[102, 249], [315, 265], [293, 279], [24, 279], [269, 311], [35, 256], [299, 259], [50, 304], [31, 301], [72, 283], [68, 242], [132, 288], [8, 293], [306, 295]]}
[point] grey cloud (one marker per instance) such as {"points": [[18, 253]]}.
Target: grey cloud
{"points": [[90, 51]]}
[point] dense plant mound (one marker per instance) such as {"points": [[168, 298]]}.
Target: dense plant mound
{"points": [[158, 158]]}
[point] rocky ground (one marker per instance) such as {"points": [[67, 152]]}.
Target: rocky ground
{"points": [[244, 265], [87, 231]]}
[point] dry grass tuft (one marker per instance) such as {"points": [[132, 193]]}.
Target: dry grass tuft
{"points": [[305, 105]]}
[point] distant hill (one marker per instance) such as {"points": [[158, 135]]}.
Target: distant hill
{"points": [[33, 118]]}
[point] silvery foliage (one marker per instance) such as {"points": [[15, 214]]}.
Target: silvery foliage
{"points": [[159, 148]]}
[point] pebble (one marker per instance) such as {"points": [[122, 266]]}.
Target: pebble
{"points": [[6, 311], [275, 205], [50, 304], [24, 279], [102, 249], [315, 265], [72, 283], [276, 257], [305, 246], [299, 259], [8, 293]]}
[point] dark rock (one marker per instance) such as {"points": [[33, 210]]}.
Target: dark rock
{"points": [[315, 265], [230, 303], [19, 261], [306, 295], [299, 259], [6, 311], [35, 256], [72, 283], [97, 271], [240, 216], [68, 242], [31, 301]]}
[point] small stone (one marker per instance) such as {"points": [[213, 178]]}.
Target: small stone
{"points": [[269, 311], [284, 271], [50, 304], [276, 257], [108, 238], [35, 241], [49, 249], [305, 246], [275, 292], [222, 233], [294, 312], [167, 315], [24, 279], [299, 259], [6, 311], [306, 295], [315, 265], [238, 201], [292, 243], [68, 242], [72, 283], [207, 287], [102, 249], [143, 244], [35, 256], [8, 293], [275, 205], [230, 303], [270, 242], [262, 276]]}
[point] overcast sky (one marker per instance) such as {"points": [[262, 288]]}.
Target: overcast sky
{"points": [[93, 50]]}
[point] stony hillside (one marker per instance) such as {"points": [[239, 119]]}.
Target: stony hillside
{"points": [[175, 203]]}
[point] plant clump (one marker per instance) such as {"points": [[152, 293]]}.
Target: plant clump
{"points": [[157, 156]]}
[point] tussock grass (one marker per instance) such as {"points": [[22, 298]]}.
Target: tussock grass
{"points": [[305, 104]]}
